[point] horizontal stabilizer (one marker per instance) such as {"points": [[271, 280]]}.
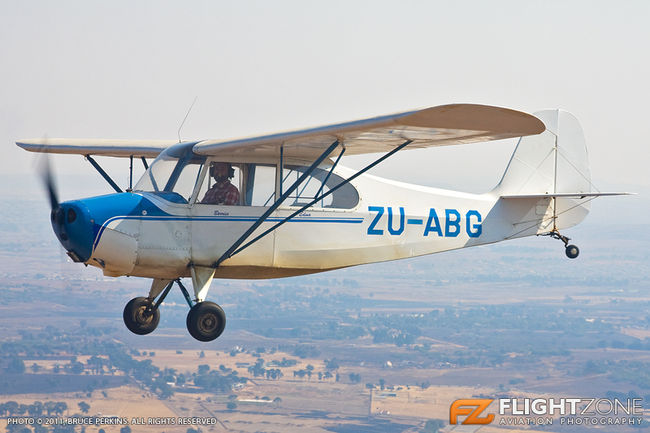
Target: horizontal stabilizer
{"points": [[567, 195]]}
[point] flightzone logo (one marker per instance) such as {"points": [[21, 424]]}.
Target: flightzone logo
{"points": [[471, 409], [547, 411]]}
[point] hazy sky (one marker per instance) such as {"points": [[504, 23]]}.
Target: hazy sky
{"points": [[130, 69]]}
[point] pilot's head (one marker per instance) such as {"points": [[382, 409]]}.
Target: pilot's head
{"points": [[221, 171]]}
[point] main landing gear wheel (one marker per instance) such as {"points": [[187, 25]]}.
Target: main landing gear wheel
{"points": [[139, 317], [206, 321], [572, 251]]}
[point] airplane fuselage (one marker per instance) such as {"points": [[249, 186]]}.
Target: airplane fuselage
{"points": [[143, 234]]}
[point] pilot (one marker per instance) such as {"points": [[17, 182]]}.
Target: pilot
{"points": [[222, 192]]}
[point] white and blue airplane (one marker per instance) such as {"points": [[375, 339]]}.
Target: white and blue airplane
{"points": [[281, 205]]}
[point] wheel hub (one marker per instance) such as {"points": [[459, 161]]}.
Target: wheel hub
{"points": [[143, 316], [208, 323]]}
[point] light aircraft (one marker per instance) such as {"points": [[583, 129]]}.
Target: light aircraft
{"points": [[295, 210]]}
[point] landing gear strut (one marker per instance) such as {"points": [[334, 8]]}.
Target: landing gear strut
{"points": [[570, 250], [205, 320]]}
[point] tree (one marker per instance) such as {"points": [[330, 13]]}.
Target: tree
{"points": [[35, 368], [60, 407], [433, 426], [354, 378], [63, 428], [125, 429], [41, 429], [16, 366], [203, 369], [96, 364], [22, 409], [231, 405], [16, 428], [50, 407], [84, 407], [35, 409], [331, 364], [10, 407], [76, 367]]}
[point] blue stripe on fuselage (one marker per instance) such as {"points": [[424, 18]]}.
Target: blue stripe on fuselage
{"points": [[154, 213]]}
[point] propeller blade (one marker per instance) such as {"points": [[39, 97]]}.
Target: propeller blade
{"points": [[48, 180]]}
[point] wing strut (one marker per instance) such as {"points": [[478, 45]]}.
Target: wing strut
{"points": [[275, 205], [103, 173], [322, 185], [130, 174], [322, 196]]}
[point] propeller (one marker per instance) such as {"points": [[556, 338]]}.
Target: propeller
{"points": [[68, 223], [48, 181], [56, 214]]}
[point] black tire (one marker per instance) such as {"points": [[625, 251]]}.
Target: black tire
{"points": [[206, 321], [572, 251], [137, 319]]}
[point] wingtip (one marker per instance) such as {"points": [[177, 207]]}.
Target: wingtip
{"points": [[478, 117], [31, 144]]}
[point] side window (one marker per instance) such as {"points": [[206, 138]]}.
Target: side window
{"points": [[222, 185], [316, 184], [260, 184], [238, 184]]}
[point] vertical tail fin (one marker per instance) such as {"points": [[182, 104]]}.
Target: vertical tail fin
{"points": [[551, 163]]}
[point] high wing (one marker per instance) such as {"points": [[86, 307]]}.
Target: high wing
{"points": [[435, 126], [94, 146]]}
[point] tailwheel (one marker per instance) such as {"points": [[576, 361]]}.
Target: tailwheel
{"points": [[140, 316], [572, 251], [206, 321]]}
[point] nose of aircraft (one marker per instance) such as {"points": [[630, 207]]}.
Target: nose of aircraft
{"points": [[73, 226], [77, 222]]}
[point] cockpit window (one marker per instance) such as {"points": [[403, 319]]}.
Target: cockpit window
{"points": [[173, 174], [245, 184]]}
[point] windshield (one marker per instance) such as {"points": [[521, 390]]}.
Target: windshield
{"points": [[173, 173]]}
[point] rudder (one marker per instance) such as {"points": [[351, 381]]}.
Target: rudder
{"points": [[553, 162]]}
